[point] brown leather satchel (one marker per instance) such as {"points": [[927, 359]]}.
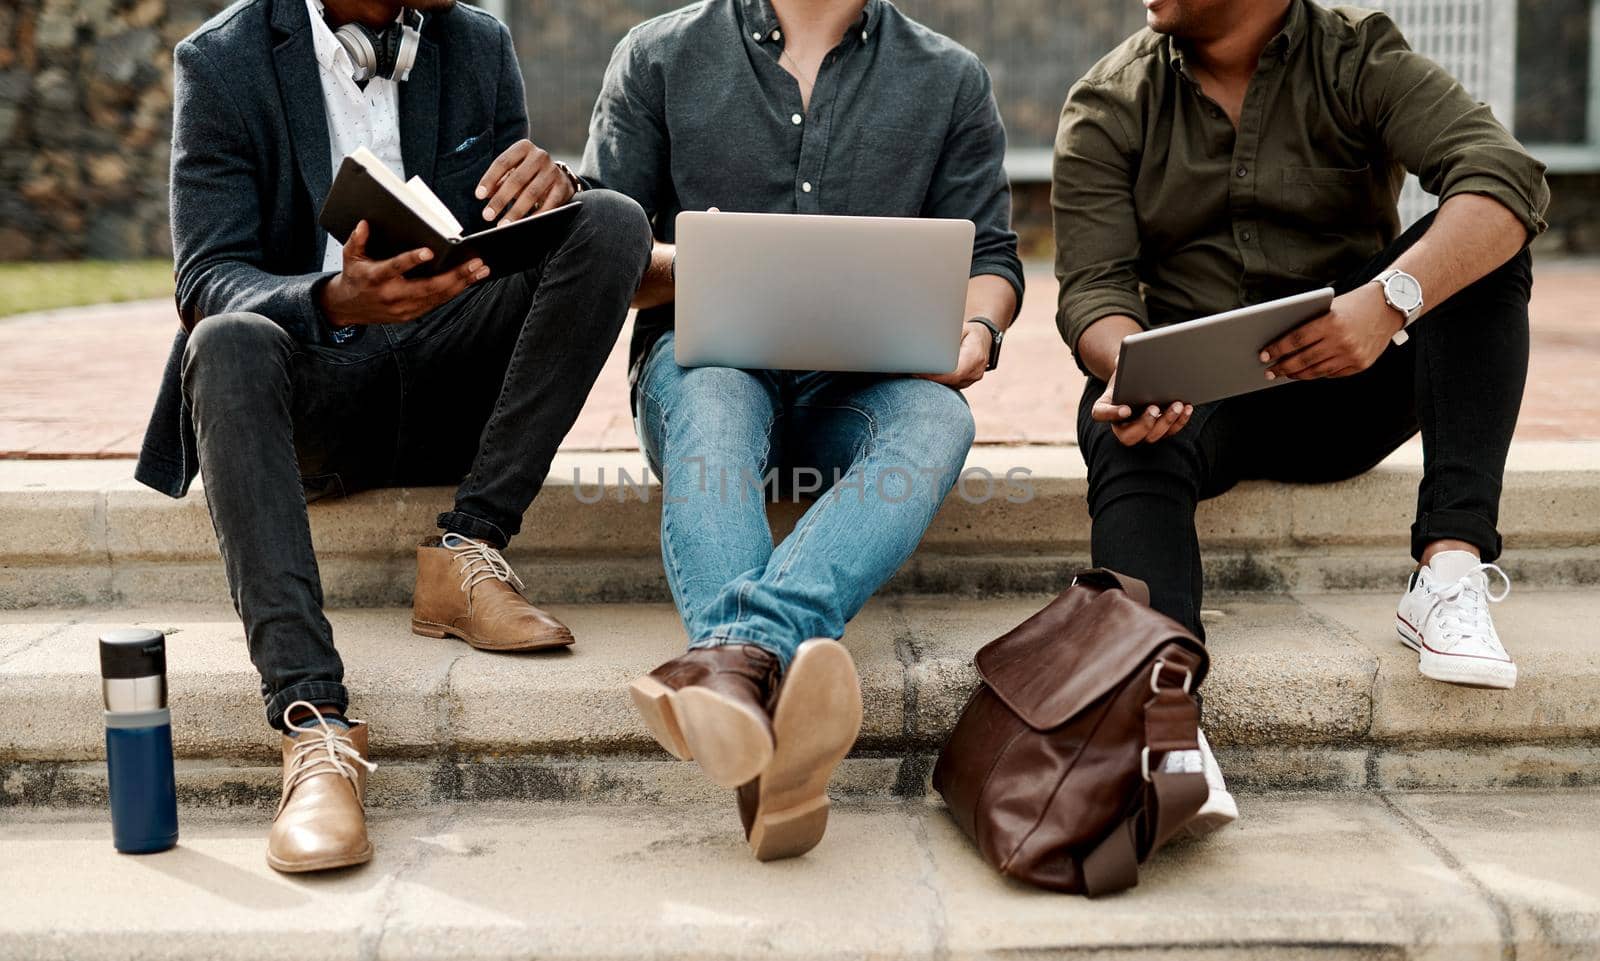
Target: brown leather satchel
{"points": [[1077, 756]]}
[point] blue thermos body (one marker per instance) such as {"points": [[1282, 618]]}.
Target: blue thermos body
{"points": [[144, 792]]}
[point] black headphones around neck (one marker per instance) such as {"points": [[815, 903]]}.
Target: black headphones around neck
{"points": [[389, 53]]}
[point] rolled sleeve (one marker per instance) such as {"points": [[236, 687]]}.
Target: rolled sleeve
{"points": [[970, 182], [1096, 230], [1430, 124]]}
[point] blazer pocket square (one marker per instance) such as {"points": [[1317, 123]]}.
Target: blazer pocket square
{"points": [[467, 143]]}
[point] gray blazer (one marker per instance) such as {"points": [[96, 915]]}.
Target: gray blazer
{"points": [[251, 168]]}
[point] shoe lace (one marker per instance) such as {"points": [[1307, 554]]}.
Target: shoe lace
{"points": [[320, 748], [1461, 608], [479, 562]]}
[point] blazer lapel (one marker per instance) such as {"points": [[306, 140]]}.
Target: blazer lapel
{"points": [[419, 114], [300, 86]]}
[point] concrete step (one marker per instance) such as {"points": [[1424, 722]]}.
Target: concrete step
{"points": [[1305, 692], [1450, 877], [82, 532]]}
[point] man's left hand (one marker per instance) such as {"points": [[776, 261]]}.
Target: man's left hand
{"points": [[1346, 340], [972, 362], [523, 180]]}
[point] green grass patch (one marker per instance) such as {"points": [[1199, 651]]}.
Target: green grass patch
{"points": [[26, 287]]}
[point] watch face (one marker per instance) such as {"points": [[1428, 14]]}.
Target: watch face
{"points": [[1404, 292]]}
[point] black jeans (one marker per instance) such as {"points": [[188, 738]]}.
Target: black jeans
{"points": [[1459, 380], [485, 388]]}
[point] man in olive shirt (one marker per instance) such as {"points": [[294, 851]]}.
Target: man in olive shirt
{"points": [[1243, 150]]}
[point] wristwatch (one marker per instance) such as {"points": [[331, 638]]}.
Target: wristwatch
{"points": [[996, 335], [577, 183], [1402, 292]]}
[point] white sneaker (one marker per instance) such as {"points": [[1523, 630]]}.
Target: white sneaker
{"points": [[1220, 810], [1444, 617]]}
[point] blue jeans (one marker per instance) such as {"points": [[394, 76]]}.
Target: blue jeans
{"points": [[881, 451]]}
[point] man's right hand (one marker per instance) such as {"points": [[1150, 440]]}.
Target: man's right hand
{"points": [[1151, 425], [378, 292]]}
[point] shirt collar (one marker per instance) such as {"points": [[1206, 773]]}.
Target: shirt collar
{"points": [[761, 21], [1281, 45], [326, 45]]}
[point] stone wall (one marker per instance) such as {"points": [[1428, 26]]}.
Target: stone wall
{"points": [[86, 95]]}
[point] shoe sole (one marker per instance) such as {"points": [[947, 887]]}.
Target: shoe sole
{"points": [[430, 629], [1219, 811], [731, 741], [1465, 671], [815, 725], [326, 864]]}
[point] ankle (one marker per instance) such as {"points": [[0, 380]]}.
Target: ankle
{"points": [[1439, 547]]}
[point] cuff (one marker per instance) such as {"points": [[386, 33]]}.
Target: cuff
{"points": [[1080, 309], [1456, 525], [1527, 206], [316, 692], [455, 522]]}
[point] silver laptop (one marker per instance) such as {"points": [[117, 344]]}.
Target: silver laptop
{"points": [[803, 292], [1199, 361]]}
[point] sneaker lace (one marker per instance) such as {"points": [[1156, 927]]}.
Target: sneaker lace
{"points": [[1461, 608], [479, 562], [320, 748]]}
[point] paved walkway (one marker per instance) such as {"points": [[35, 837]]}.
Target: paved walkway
{"points": [[80, 383]]}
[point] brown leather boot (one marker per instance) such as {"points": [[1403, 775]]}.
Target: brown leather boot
{"points": [[815, 723], [320, 822], [713, 706], [466, 589]]}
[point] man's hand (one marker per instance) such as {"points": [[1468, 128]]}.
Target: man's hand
{"points": [[378, 292], [523, 179], [1346, 340], [1152, 425], [972, 362]]}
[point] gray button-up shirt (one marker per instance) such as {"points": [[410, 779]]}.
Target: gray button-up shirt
{"points": [[696, 112]]}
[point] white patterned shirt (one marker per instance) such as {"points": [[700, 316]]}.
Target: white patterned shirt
{"points": [[356, 118]]}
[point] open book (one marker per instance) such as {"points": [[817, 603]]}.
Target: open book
{"points": [[404, 215]]}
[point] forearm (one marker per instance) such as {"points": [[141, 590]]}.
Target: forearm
{"points": [[657, 287], [1100, 345], [992, 297], [1471, 237]]}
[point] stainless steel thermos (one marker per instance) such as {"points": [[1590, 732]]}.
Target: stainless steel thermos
{"points": [[144, 794]]}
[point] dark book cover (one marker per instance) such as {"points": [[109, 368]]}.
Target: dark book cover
{"points": [[395, 228]]}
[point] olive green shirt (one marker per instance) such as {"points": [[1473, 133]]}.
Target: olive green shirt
{"points": [[1164, 212]]}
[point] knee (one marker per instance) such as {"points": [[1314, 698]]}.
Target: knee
{"points": [[236, 348], [1166, 470], [716, 412], [935, 422], [616, 224]]}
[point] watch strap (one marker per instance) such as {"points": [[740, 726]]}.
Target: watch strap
{"points": [[996, 336]]}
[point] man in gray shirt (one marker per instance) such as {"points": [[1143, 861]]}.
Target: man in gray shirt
{"points": [[815, 107]]}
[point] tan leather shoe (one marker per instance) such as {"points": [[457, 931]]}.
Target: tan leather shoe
{"points": [[713, 706], [320, 822], [466, 589], [815, 723]]}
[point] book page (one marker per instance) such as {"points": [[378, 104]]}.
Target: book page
{"points": [[431, 200], [446, 225]]}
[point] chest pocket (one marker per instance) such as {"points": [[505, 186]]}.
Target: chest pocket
{"points": [[1318, 196], [456, 175], [890, 170]]}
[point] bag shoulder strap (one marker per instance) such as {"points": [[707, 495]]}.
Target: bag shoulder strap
{"points": [[1173, 798]]}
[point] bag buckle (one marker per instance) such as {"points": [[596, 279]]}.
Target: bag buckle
{"points": [[1155, 677]]}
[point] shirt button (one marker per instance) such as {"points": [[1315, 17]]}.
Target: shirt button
{"points": [[777, 34], [1242, 171], [1244, 235], [796, 120], [806, 186], [756, 36]]}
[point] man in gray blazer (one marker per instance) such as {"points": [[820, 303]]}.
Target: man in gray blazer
{"points": [[304, 370]]}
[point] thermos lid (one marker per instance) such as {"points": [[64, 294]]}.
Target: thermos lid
{"points": [[133, 652]]}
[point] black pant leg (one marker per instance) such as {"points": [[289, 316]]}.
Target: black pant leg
{"points": [[562, 335], [1142, 503], [267, 410]]}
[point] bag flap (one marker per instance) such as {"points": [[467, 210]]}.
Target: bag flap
{"points": [[1082, 645]]}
